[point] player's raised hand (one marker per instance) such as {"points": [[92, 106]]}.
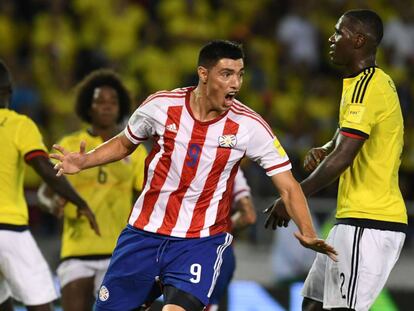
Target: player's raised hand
{"points": [[277, 215], [69, 162], [317, 245], [313, 158], [84, 210]]}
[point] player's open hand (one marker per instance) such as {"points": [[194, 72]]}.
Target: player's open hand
{"points": [[313, 158], [84, 210], [69, 162], [277, 215], [317, 245]]}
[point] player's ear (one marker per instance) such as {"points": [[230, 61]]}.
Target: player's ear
{"points": [[202, 74], [359, 40]]}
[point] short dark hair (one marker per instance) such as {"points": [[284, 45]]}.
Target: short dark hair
{"points": [[371, 21], [99, 78], [215, 50]]}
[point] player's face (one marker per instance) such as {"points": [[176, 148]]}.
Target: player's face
{"points": [[341, 42], [105, 107], [223, 82]]}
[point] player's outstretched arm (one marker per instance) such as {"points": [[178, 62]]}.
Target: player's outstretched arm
{"points": [[112, 150], [60, 185], [297, 208]]}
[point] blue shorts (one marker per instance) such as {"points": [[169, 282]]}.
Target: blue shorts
{"points": [[191, 265], [226, 274]]}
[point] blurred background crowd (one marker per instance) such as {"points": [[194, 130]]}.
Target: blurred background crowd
{"points": [[50, 45]]}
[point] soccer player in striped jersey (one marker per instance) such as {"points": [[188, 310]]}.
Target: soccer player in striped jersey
{"points": [[177, 228], [25, 275], [103, 102], [365, 153]]}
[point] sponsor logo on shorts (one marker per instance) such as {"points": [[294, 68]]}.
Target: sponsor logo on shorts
{"points": [[103, 293]]}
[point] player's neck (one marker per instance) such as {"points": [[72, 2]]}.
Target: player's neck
{"points": [[202, 108], [360, 65], [105, 133]]}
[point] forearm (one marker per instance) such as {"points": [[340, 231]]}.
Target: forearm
{"points": [[58, 184], [297, 208], [112, 150], [245, 214], [330, 145], [326, 173]]}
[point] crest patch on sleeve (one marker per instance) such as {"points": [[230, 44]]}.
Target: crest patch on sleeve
{"points": [[279, 147], [354, 113]]}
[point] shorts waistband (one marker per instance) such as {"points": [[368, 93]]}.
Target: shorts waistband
{"points": [[373, 224], [155, 235], [87, 257], [18, 228]]}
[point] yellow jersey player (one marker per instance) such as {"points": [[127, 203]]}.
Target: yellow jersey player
{"points": [[103, 102], [365, 153], [25, 275]]}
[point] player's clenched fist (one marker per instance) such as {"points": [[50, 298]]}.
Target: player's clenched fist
{"points": [[313, 158]]}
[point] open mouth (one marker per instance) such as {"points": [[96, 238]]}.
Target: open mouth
{"points": [[229, 97]]}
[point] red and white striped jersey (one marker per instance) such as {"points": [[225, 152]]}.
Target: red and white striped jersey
{"points": [[190, 171]]}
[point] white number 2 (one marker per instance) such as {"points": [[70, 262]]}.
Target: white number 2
{"points": [[195, 270]]}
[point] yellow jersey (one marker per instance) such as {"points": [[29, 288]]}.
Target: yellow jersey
{"points": [[108, 190], [370, 110], [20, 140]]}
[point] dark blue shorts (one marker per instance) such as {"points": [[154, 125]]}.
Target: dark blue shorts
{"points": [[226, 274], [191, 265]]}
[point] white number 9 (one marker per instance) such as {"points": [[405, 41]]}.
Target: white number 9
{"points": [[195, 270]]}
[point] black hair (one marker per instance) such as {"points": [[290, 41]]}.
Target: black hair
{"points": [[213, 51], [371, 21], [5, 78], [99, 78]]}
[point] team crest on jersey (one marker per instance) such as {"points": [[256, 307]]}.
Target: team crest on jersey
{"points": [[227, 141], [103, 293]]}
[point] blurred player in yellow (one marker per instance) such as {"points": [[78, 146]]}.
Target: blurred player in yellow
{"points": [[103, 102], [24, 273]]}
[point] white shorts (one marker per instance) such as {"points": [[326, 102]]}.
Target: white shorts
{"points": [[74, 269], [365, 260], [24, 273]]}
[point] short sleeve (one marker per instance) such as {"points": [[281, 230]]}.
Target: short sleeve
{"points": [[264, 148], [28, 138], [359, 118], [140, 126]]}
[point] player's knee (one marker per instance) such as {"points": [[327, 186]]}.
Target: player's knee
{"points": [[175, 296]]}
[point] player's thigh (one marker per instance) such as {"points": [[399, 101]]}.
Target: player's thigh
{"points": [[193, 265], [77, 295], [132, 271], [25, 269], [315, 281], [366, 258]]}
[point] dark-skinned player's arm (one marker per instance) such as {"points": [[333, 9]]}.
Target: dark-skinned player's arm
{"points": [[42, 165], [333, 165], [112, 150]]}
